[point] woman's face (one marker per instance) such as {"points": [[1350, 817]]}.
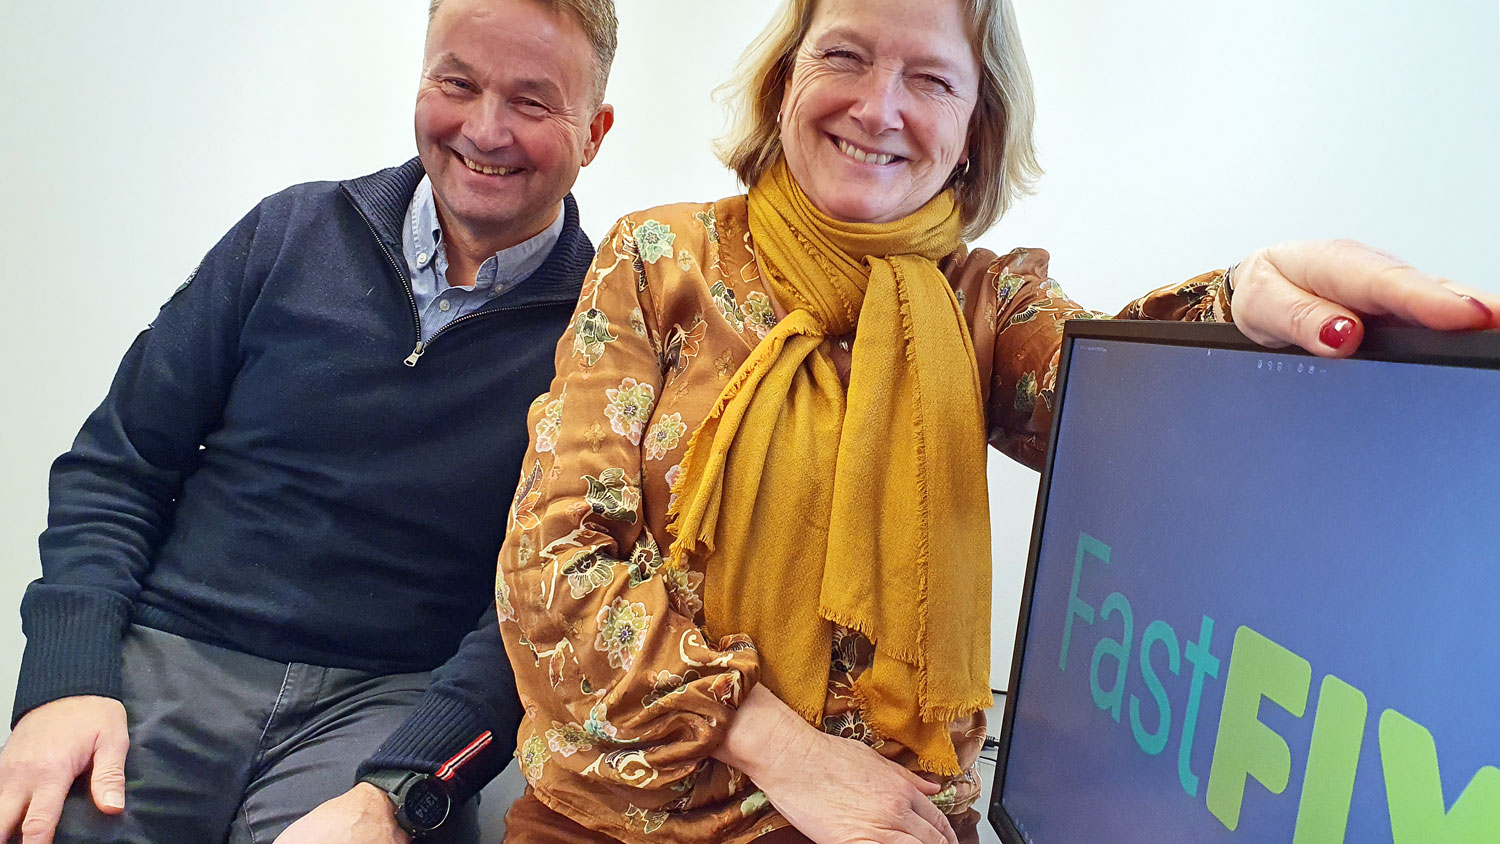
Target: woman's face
{"points": [[876, 116]]}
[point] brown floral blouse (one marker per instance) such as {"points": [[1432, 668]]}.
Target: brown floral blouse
{"points": [[626, 692]]}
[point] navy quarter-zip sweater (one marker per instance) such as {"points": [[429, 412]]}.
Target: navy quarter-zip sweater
{"points": [[275, 472]]}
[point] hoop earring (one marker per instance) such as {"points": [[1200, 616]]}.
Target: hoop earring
{"points": [[960, 174]]}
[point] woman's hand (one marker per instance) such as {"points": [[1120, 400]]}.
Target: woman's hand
{"points": [[838, 791], [833, 790], [1314, 294]]}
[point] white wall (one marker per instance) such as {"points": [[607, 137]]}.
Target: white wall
{"points": [[1178, 135]]}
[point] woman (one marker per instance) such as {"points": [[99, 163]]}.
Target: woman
{"points": [[745, 585]]}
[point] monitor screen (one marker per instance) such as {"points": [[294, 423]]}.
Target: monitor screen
{"points": [[1264, 604]]}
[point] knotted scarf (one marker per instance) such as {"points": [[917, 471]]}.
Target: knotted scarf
{"points": [[809, 506]]}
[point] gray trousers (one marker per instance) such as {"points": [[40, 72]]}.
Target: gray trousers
{"points": [[228, 747]]}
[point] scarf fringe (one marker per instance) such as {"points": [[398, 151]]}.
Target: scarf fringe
{"points": [[683, 545], [943, 766], [947, 714], [860, 699], [929, 712], [924, 522], [942, 759], [811, 716], [815, 254], [866, 628]]}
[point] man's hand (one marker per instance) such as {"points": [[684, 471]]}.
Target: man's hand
{"points": [[361, 815], [52, 746]]}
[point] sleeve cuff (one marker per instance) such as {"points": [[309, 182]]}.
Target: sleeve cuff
{"points": [[72, 645], [459, 741]]}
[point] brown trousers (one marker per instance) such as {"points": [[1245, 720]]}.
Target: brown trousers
{"points": [[529, 821]]}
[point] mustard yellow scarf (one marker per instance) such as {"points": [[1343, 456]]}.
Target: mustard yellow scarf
{"points": [[811, 507]]}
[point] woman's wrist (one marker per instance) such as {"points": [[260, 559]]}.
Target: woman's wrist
{"points": [[764, 733]]}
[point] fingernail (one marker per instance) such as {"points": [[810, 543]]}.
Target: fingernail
{"points": [[1336, 332], [1489, 315], [115, 799]]}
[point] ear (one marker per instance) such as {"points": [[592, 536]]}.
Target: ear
{"points": [[604, 120]]}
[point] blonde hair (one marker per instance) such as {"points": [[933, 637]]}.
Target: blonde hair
{"points": [[597, 19], [1002, 163]]}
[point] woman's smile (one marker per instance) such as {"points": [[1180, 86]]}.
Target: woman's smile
{"points": [[875, 117], [864, 156]]}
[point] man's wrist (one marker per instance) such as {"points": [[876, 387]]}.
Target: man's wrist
{"points": [[420, 802], [371, 791], [374, 801]]}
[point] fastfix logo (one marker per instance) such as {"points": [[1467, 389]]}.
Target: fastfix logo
{"points": [[1244, 747]]}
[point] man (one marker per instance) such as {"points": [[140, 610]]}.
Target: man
{"points": [[267, 544]]}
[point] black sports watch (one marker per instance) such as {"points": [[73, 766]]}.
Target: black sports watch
{"points": [[422, 800]]}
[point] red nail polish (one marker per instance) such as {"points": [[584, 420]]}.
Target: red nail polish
{"points": [[1336, 332], [1489, 315]]}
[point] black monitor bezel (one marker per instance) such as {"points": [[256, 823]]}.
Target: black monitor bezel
{"points": [[1400, 344]]}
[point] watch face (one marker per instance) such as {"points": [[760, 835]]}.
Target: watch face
{"points": [[426, 805]]}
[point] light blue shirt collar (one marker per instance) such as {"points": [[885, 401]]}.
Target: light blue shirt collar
{"points": [[438, 301]]}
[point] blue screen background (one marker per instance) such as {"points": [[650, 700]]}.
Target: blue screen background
{"points": [[1349, 511]]}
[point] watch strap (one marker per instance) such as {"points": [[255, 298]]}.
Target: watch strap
{"points": [[389, 781], [397, 785]]}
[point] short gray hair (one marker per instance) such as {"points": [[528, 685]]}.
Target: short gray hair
{"points": [[597, 19], [1002, 159]]}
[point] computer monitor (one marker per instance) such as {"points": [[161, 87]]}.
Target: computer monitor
{"points": [[1263, 597]]}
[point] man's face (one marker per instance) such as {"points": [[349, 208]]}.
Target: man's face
{"points": [[506, 115]]}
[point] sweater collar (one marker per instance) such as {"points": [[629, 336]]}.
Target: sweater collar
{"points": [[384, 196]]}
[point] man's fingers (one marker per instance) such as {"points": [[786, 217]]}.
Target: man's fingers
{"points": [[43, 813], [50, 747], [108, 781], [12, 806]]}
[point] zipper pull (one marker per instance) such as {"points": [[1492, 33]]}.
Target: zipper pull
{"points": [[416, 354]]}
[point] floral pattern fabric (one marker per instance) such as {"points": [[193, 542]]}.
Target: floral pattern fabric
{"points": [[626, 686]]}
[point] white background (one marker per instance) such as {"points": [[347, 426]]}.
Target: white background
{"points": [[1178, 135]]}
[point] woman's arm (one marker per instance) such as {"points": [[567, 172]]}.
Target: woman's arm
{"points": [[621, 686], [1016, 313], [1284, 295]]}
